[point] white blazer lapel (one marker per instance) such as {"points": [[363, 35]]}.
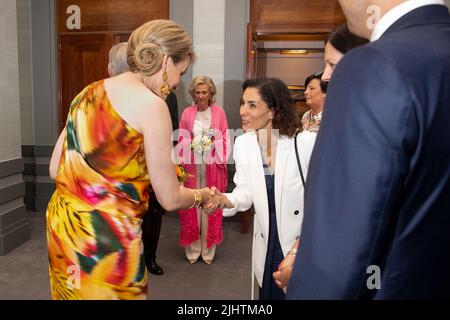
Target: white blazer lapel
{"points": [[280, 170], [259, 182]]}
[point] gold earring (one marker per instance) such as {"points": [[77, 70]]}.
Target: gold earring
{"points": [[165, 89]]}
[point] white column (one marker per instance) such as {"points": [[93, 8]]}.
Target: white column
{"points": [[209, 42]]}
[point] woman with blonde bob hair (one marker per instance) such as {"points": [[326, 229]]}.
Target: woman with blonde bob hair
{"points": [[117, 139], [211, 88], [204, 133]]}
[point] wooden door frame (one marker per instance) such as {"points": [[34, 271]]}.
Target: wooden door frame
{"points": [[114, 38], [251, 53]]}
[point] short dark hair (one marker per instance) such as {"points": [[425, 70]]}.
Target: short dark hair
{"points": [[318, 76], [276, 94], [343, 40]]}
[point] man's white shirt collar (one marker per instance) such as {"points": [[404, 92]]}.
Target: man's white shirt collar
{"points": [[396, 13]]}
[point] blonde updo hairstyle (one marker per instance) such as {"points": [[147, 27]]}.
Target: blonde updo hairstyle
{"points": [[199, 80], [149, 43]]}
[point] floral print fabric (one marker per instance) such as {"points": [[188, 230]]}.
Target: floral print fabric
{"points": [[94, 216]]}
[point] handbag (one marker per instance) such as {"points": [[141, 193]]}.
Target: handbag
{"points": [[298, 159]]}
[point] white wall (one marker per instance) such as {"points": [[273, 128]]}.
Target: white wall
{"points": [[236, 18], [209, 42], [10, 135], [181, 11]]}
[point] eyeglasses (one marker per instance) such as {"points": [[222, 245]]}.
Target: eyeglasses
{"points": [[318, 74]]}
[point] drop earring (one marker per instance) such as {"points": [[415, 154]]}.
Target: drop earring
{"points": [[165, 89]]}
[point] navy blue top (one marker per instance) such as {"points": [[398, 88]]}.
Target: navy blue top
{"points": [[270, 290]]}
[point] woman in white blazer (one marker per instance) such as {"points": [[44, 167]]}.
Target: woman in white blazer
{"points": [[268, 177], [340, 41]]}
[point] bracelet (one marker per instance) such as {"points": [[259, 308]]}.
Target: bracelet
{"points": [[293, 252], [197, 199]]}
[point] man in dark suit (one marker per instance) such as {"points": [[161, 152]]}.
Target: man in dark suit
{"points": [[151, 224], [377, 201]]}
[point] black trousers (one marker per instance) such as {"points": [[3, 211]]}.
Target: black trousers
{"points": [[151, 227]]}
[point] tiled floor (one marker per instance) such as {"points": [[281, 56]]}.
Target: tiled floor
{"points": [[24, 275]]}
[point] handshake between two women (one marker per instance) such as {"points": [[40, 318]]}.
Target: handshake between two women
{"points": [[215, 201], [282, 275]]}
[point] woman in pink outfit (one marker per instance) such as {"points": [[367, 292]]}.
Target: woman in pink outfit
{"points": [[204, 149]]}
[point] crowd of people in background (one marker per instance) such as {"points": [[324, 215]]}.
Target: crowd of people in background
{"points": [[360, 180]]}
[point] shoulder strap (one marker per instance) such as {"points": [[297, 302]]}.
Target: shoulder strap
{"points": [[298, 159]]}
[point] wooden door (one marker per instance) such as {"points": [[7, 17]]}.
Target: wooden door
{"points": [[83, 60]]}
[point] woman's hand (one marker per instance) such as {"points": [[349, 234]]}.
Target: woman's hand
{"points": [[283, 274], [205, 193], [213, 203], [217, 200]]}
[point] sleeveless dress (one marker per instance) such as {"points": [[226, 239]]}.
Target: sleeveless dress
{"points": [[94, 216]]}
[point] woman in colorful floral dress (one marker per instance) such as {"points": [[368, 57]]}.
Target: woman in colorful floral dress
{"points": [[116, 141]]}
